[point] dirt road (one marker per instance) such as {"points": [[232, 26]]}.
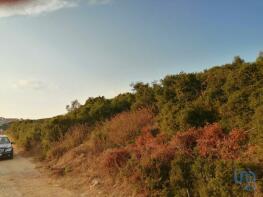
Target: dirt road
{"points": [[19, 177]]}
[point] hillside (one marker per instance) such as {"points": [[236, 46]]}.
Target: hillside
{"points": [[182, 136], [5, 121]]}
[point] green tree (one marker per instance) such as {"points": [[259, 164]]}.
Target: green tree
{"points": [[144, 95], [74, 105]]}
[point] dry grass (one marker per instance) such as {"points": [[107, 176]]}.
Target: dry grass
{"points": [[73, 138], [121, 130]]}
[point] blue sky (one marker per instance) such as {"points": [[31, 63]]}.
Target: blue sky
{"points": [[51, 54]]}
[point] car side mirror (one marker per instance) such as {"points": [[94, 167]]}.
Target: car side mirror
{"points": [[13, 143]]}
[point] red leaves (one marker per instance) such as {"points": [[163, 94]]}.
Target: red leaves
{"points": [[209, 141], [215, 143], [233, 144], [149, 147], [184, 142], [115, 158]]}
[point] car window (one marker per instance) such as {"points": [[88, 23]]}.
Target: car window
{"points": [[4, 140]]}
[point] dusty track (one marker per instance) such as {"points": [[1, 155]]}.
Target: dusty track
{"points": [[19, 177]]}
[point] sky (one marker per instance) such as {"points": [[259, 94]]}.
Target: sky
{"points": [[55, 51]]}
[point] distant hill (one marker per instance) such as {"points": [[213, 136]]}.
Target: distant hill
{"points": [[5, 121]]}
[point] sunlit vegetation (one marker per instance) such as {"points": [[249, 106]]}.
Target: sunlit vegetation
{"points": [[182, 136]]}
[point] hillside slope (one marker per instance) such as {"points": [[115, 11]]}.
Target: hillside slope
{"points": [[4, 122], [185, 135]]}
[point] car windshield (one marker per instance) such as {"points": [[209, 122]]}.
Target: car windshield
{"points": [[4, 140]]}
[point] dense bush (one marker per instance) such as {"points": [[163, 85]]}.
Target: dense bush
{"points": [[181, 165]]}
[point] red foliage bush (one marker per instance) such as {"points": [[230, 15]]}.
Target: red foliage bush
{"points": [[114, 159], [209, 140], [148, 147], [233, 144], [184, 142], [214, 142], [152, 152]]}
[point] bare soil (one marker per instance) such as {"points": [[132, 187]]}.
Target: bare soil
{"points": [[20, 177], [25, 177]]}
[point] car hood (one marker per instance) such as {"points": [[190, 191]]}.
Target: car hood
{"points": [[5, 145]]}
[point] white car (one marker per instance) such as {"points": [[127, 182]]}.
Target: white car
{"points": [[6, 148]]}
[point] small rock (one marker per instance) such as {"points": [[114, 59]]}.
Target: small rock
{"points": [[95, 182]]}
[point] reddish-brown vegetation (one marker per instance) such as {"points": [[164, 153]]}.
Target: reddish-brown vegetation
{"points": [[184, 142], [114, 159], [215, 143], [233, 144], [210, 141], [121, 129], [130, 145]]}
